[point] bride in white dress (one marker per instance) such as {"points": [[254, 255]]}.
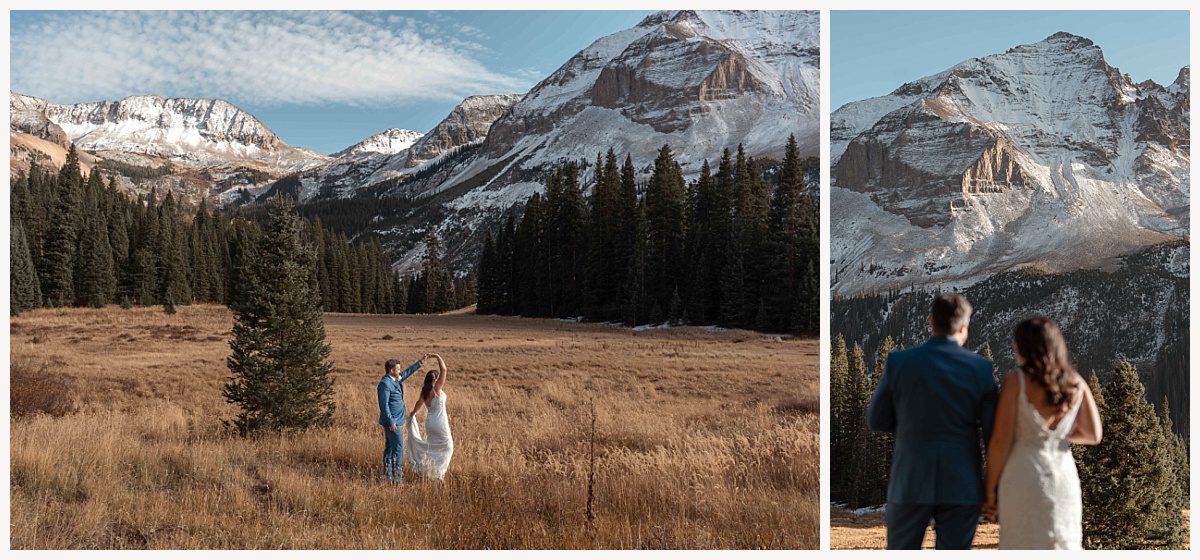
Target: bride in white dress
{"points": [[1032, 486], [430, 455]]}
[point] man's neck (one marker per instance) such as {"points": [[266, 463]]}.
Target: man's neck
{"points": [[951, 337]]}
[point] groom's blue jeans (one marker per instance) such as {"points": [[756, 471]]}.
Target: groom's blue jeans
{"points": [[954, 524], [393, 454]]}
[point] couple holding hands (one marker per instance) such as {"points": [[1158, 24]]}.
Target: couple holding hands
{"points": [[938, 397]]}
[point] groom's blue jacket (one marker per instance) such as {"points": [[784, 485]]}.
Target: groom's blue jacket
{"points": [[936, 398], [391, 397]]}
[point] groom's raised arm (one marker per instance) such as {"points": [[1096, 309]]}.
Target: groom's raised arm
{"points": [[411, 370], [881, 412]]}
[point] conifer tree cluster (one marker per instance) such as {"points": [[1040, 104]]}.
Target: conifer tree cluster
{"points": [[435, 289], [860, 459], [728, 248], [1135, 483], [78, 241]]}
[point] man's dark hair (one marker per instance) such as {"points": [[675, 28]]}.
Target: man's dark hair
{"points": [[949, 313], [390, 365]]}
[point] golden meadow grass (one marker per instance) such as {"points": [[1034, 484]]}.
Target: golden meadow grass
{"points": [[703, 439]]}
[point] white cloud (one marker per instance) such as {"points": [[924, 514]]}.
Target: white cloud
{"points": [[253, 57]]}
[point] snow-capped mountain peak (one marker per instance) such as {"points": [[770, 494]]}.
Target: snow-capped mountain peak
{"points": [[388, 142], [193, 132], [1020, 157]]}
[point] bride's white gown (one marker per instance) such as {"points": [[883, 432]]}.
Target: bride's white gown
{"points": [[430, 455], [1039, 504]]}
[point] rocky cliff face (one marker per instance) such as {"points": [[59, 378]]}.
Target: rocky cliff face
{"points": [[468, 123], [28, 115], [1042, 154]]}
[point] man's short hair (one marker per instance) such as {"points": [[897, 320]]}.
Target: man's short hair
{"points": [[949, 313], [390, 365]]}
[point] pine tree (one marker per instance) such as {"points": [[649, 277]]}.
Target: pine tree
{"points": [[98, 282], [242, 255], [399, 294], [1179, 450], [839, 402], [733, 292], [627, 267], [666, 202], [605, 271], [280, 360], [880, 445], [24, 291], [487, 277], [1129, 480], [567, 242], [172, 267], [438, 283], [857, 432], [1172, 531], [58, 260]]}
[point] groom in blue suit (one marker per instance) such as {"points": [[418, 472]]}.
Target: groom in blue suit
{"points": [[391, 416], [937, 398]]}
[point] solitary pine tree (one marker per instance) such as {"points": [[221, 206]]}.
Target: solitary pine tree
{"points": [[279, 359], [24, 291]]}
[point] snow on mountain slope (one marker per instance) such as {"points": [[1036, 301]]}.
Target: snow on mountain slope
{"points": [[370, 162], [389, 142], [193, 132], [698, 81], [198, 148], [1043, 155]]}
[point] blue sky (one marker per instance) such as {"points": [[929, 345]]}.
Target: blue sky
{"points": [[873, 53], [320, 80]]}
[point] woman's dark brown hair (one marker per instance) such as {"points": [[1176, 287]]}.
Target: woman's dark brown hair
{"points": [[1041, 344], [427, 387]]}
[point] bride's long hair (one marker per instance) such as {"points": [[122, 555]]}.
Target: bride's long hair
{"points": [[1040, 342], [427, 387]]}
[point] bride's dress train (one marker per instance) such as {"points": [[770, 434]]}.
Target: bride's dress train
{"points": [[1039, 503], [430, 455]]}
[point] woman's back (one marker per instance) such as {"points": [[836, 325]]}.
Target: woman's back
{"points": [[430, 455], [1040, 503]]}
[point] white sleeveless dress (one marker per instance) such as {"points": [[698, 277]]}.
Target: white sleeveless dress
{"points": [[430, 455], [1039, 503]]}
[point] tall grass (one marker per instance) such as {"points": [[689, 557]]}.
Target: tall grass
{"points": [[566, 436]]}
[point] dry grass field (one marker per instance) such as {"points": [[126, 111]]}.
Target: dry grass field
{"points": [[703, 439]]}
